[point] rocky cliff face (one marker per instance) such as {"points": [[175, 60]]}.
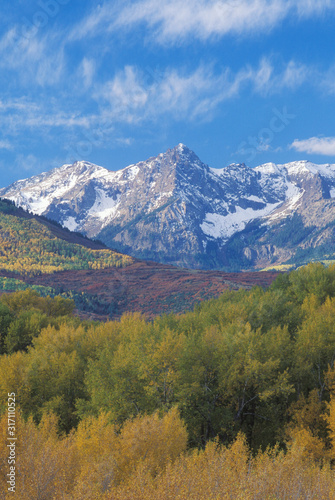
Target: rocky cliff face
{"points": [[173, 208]]}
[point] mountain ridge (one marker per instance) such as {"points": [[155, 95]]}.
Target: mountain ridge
{"points": [[173, 208]]}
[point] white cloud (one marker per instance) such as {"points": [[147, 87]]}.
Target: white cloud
{"points": [[125, 92], [295, 74], [37, 59], [188, 95], [327, 80], [315, 145], [29, 163], [87, 70], [19, 114], [262, 76], [135, 96], [124, 141], [17, 105], [306, 8], [268, 80], [91, 24], [180, 20], [5, 145], [183, 95]]}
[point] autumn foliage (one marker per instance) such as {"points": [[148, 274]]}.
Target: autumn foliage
{"points": [[147, 460], [29, 247], [233, 400]]}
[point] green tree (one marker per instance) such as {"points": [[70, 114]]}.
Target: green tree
{"points": [[6, 318], [23, 329]]}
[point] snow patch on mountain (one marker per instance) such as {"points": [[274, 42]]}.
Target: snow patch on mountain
{"points": [[104, 206], [37, 205], [71, 224], [255, 198], [269, 169], [224, 226], [132, 172]]}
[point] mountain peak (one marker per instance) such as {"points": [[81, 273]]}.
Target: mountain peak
{"points": [[269, 168], [181, 147], [300, 168], [81, 166]]}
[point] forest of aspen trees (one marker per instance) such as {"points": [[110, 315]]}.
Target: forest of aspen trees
{"points": [[28, 247], [234, 400]]}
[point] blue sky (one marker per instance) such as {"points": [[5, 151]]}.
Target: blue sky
{"points": [[117, 82]]}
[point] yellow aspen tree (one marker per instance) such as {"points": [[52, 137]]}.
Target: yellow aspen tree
{"points": [[153, 440], [96, 441]]}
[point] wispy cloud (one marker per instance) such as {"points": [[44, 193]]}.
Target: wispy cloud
{"points": [[4, 144], [87, 71], [19, 114], [189, 95], [307, 8], [37, 60], [327, 80], [295, 74], [42, 59], [28, 163], [315, 145], [134, 96], [176, 21]]}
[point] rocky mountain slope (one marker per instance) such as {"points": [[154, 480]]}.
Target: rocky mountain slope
{"points": [[175, 209]]}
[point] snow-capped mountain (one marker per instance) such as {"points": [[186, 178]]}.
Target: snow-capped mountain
{"points": [[174, 208]]}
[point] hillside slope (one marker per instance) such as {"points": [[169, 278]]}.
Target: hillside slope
{"points": [[31, 245], [36, 253]]}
